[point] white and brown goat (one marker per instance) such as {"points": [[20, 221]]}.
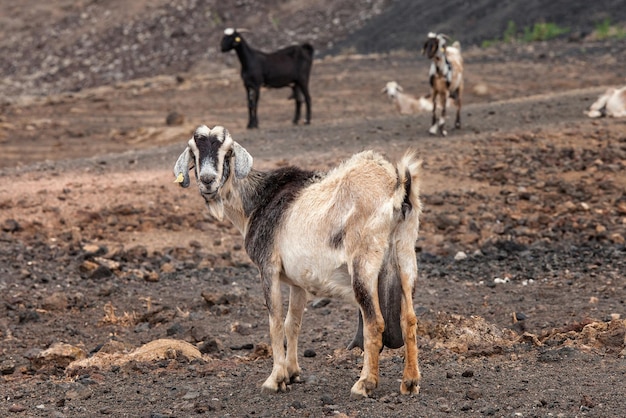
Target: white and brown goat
{"points": [[348, 233], [612, 104], [405, 103], [446, 79]]}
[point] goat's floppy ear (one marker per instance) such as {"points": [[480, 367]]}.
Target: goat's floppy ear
{"points": [[243, 161], [181, 168]]}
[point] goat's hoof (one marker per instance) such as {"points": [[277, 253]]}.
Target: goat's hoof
{"points": [[272, 386], [410, 387], [457, 126], [362, 389], [295, 379]]}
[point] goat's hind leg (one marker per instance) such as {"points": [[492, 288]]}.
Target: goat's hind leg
{"points": [[411, 375], [307, 101], [407, 263], [365, 284], [297, 97], [457, 123], [433, 126]]}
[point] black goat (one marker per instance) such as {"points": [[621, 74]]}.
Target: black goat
{"points": [[290, 66]]}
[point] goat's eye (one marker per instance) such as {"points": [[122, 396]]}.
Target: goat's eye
{"points": [[238, 39]]}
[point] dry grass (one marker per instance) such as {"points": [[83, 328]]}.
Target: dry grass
{"points": [[111, 318]]}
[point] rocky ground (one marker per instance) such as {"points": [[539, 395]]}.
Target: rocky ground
{"points": [[122, 297]]}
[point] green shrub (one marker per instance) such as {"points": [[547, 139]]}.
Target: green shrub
{"points": [[543, 32]]}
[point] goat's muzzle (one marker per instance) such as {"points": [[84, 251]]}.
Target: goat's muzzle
{"points": [[208, 190]]}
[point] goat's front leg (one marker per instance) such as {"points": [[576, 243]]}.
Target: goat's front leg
{"points": [[293, 323], [365, 285], [280, 377], [442, 118], [253, 100]]}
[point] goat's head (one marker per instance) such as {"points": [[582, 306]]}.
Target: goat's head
{"points": [[434, 43], [391, 88], [232, 38], [215, 158]]}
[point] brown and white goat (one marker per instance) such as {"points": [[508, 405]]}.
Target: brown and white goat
{"points": [[446, 78], [348, 233], [612, 103]]}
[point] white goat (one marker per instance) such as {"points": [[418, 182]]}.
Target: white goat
{"points": [[405, 103], [348, 233], [446, 78], [612, 103]]}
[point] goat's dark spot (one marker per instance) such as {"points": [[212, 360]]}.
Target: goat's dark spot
{"points": [[266, 283], [208, 146], [336, 241], [267, 207]]}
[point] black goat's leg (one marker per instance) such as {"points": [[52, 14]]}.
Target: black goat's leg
{"points": [[307, 101], [253, 100], [297, 96]]}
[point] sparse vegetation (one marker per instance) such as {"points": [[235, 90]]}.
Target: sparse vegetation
{"points": [[605, 30], [510, 33], [538, 32]]}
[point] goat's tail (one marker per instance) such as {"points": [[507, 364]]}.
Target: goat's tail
{"points": [[308, 48], [409, 176]]}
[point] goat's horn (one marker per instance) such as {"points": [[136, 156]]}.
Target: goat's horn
{"points": [[443, 35], [242, 30]]}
